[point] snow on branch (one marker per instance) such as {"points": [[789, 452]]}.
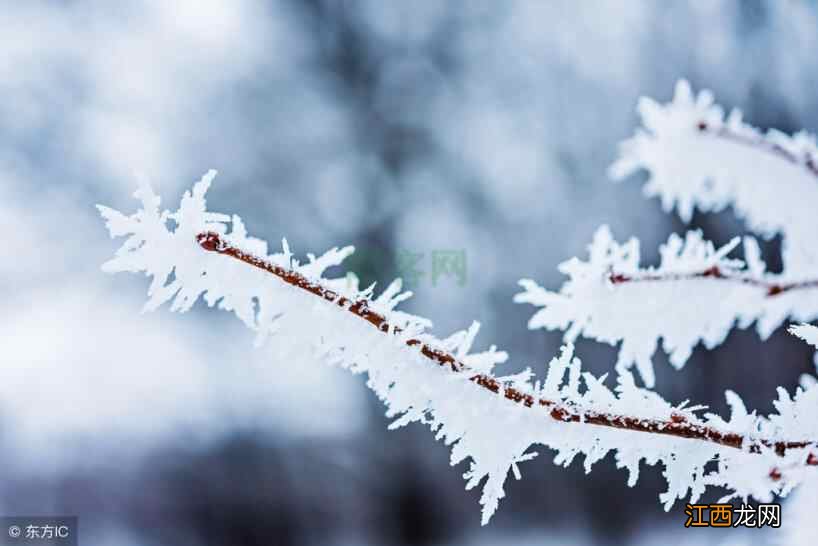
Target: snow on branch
{"points": [[696, 294], [491, 420], [697, 157]]}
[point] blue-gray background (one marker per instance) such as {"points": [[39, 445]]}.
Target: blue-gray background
{"points": [[395, 126]]}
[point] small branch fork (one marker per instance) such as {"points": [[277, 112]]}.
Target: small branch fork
{"points": [[677, 426]]}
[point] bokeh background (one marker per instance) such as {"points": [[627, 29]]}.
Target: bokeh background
{"points": [[399, 127]]}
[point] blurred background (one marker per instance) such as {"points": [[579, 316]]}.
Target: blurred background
{"points": [[409, 129]]}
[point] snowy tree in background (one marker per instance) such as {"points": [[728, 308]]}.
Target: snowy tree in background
{"points": [[696, 158]]}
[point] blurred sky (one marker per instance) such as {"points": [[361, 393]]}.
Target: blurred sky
{"points": [[399, 127]]}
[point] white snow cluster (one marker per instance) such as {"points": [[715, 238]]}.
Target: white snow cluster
{"points": [[675, 301], [771, 179], [494, 433]]}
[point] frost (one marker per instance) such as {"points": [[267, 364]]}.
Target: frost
{"points": [[696, 294], [699, 158], [696, 158], [807, 332], [571, 411]]}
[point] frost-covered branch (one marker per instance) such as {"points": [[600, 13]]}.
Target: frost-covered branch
{"points": [[678, 425], [489, 419], [361, 308], [698, 158], [769, 286], [696, 294]]}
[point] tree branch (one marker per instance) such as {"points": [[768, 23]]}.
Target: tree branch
{"points": [[808, 162], [772, 288], [678, 426]]}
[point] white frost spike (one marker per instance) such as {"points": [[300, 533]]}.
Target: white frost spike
{"points": [[492, 432], [807, 332], [697, 158], [752, 258], [611, 299]]}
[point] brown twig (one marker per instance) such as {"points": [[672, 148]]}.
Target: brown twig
{"points": [[772, 288], [677, 426], [808, 162]]}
